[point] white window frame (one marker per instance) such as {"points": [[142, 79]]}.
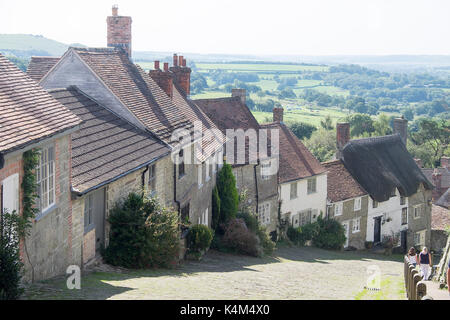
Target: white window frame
{"points": [[357, 204], [152, 178], [214, 163], [338, 209], [422, 236], [356, 225], [311, 182], [265, 170], [404, 209], [11, 194], [290, 190], [44, 183], [264, 213], [417, 211], [89, 211], [207, 171]]}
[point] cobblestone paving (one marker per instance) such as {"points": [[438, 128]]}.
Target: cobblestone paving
{"points": [[292, 273]]}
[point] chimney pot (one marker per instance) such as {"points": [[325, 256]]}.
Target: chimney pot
{"points": [[241, 93], [115, 10], [342, 137], [175, 60], [156, 65], [166, 66], [401, 128], [277, 114], [184, 62], [180, 61]]}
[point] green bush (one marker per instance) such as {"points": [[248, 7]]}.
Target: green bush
{"points": [[143, 234], [215, 208], [295, 236], [250, 220], [240, 239], [266, 243], [10, 265], [330, 235], [199, 238], [229, 196]]}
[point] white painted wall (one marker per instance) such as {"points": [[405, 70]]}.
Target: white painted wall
{"points": [[388, 209], [317, 200]]}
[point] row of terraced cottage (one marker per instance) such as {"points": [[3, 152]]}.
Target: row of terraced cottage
{"points": [[104, 128]]}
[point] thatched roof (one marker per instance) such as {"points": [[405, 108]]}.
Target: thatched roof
{"points": [[381, 164]]}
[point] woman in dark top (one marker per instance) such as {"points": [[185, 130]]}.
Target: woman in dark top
{"points": [[425, 263]]}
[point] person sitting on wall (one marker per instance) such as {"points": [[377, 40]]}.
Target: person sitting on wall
{"points": [[425, 263], [412, 256]]}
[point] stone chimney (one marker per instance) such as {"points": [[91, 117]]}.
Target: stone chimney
{"points": [[164, 78], [342, 137], [241, 93], [277, 114], [401, 127], [445, 162], [119, 31], [181, 74], [418, 162]]}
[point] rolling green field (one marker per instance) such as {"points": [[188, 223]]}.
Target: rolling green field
{"points": [[260, 68]]}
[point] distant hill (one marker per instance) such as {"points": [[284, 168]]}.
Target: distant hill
{"points": [[26, 45]]}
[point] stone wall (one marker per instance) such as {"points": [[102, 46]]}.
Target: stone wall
{"points": [[355, 239], [423, 198]]}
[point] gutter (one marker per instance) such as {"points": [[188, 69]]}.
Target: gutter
{"points": [[81, 193]]}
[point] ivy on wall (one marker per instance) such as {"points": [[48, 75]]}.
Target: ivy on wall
{"points": [[29, 188]]}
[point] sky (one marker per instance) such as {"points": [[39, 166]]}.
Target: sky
{"points": [[262, 27]]}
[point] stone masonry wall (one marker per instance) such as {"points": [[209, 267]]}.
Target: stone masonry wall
{"points": [[421, 197]]}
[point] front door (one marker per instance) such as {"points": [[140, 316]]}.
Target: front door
{"points": [[346, 226], [99, 217], [377, 230]]}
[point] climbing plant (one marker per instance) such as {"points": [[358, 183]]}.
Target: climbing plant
{"points": [[29, 188]]}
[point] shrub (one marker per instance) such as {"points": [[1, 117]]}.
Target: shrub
{"points": [[215, 208], [267, 244], [229, 197], [300, 235], [10, 265], [143, 234], [330, 235], [240, 239], [250, 220], [199, 238]]}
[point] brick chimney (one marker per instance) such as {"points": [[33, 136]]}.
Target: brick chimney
{"points": [[181, 74], [119, 31], [342, 137], [419, 162], [241, 93], [445, 162], [401, 127], [277, 114], [164, 78], [436, 178]]}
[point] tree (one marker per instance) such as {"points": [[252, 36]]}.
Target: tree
{"points": [[322, 144], [228, 194], [301, 129], [327, 123], [215, 208], [382, 125], [435, 134], [360, 124]]}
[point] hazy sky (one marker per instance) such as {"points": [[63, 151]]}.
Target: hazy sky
{"points": [[314, 27]]}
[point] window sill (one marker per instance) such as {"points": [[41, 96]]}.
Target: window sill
{"points": [[356, 231], [42, 214], [180, 177], [89, 228], [312, 192]]}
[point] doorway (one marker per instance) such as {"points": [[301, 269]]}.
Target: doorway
{"points": [[377, 230], [346, 226]]}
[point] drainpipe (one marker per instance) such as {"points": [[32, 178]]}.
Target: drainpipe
{"points": [[175, 188], [143, 176], [256, 188], [2, 161]]}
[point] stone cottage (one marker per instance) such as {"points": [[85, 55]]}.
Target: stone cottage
{"points": [[347, 203], [30, 118], [250, 170], [302, 180], [400, 194], [108, 76], [110, 158]]}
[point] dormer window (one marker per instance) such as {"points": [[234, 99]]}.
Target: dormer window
{"points": [[357, 204]]}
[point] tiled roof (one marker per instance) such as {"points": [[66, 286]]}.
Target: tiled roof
{"points": [[296, 161], [440, 218], [444, 200], [340, 183], [193, 113], [445, 175], [28, 113], [230, 113], [106, 146], [39, 66], [136, 90]]}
